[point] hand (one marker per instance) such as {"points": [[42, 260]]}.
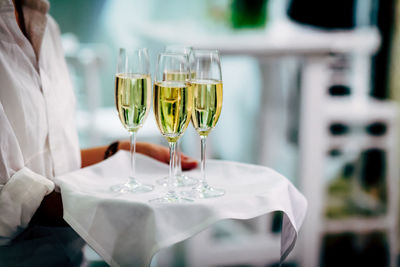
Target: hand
{"points": [[159, 153], [50, 211]]}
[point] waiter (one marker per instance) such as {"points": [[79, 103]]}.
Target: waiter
{"points": [[38, 139]]}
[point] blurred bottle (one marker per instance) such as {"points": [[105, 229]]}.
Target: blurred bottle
{"points": [[248, 13], [332, 14]]}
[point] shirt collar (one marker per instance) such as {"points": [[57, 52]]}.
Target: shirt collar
{"points": [[41, 6], [6, 5], [35, 18]]}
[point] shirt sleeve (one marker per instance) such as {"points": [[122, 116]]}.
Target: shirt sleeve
{"points": [[21, 190], [19, 199]]}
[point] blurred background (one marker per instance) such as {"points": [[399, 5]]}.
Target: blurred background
{"points": [[311, 89]]}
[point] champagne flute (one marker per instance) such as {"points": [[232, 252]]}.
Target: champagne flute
{"points": [[133, 101], [180, 179], [173, 102], [207, 105]]}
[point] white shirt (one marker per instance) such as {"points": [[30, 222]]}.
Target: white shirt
{"points": [[38, 136]]}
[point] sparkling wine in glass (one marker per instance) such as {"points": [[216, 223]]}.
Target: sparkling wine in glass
{"points": [[173, 100], [207, 105], [180, 179], [133, 101]]}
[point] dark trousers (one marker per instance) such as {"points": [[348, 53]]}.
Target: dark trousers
{"points": [[44, 246]]}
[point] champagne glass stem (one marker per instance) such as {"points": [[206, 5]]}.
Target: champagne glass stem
{"points": [[203, 161], [178, 164], [132, 174], [172, 159], [203, 190]]}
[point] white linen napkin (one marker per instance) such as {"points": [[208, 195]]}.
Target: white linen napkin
{"points": [[127, 230]]}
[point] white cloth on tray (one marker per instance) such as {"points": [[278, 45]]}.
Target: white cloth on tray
{"points": [[127, 230]]}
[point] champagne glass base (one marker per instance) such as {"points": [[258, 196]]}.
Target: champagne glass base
{"points": [[171, 198], [179, 181], [203, 191], [132, 188]]}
